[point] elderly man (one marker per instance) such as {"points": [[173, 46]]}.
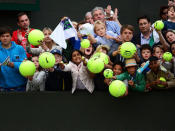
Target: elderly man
{"points": [[98, 14], [88, 18]]}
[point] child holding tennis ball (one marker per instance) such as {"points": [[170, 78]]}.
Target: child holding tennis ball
{"points": [[80, 76], [37, 81], [58, 80], [104, 49], [157, 78], [146, 52], [158, 52], [136, 81], [104, 37], [117, 70]]}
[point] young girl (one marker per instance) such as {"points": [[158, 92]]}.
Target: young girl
{"points": [[37, 81], [170, 36], [80, 76], [117, 70], [170, 23], [46, 45]]}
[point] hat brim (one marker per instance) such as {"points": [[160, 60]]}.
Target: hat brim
{"points": [[130, 64]]}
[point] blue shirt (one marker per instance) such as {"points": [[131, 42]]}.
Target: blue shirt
{"points": [[109, 42], [10, 77], [113, 26], [169, 25], [104, 41], [75, 43]]}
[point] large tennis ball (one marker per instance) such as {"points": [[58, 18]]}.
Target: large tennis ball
{"points": [[159, 25], [117, 88], [162, 79], [108, 73], [27, 68], [35, 36], [46, 60], [103, 56], [85, 43], [167, 56], [127, 49], [95, 65]]}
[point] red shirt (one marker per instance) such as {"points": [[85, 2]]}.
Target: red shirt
{"points": [[21, 33]]}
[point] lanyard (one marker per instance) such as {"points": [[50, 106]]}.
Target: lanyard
{"points": [[151, 41]]}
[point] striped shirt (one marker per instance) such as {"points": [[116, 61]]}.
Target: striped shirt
{"points": [[113, 26]]}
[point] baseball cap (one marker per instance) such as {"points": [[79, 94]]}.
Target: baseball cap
{"points": [[56, 51]]}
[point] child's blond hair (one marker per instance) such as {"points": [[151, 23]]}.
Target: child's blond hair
{"points": [[98, 22], [105, 47]]}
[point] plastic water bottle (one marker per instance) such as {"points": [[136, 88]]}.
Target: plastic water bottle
{"points": [[141, 69]]}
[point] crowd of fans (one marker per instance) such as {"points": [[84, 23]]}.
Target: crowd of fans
{"points": [[70, 70]]}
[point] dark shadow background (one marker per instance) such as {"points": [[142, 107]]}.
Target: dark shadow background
{"points": [[50, 12], [53, 111]]}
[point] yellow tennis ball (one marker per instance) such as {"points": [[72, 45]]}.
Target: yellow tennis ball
{"points": [[27, 68], [35, 36], [85, 43], [162, 79], [95, 65], [103, 56], [159, 25], [128, 49], [108, 73], [47, 60], [117, 88], [167, 56], [83, 58]]}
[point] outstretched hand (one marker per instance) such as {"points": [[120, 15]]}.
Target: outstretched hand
{"points": [[115, 16], [63, 18], [118, 39], [61, 65], [108, 10]]}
